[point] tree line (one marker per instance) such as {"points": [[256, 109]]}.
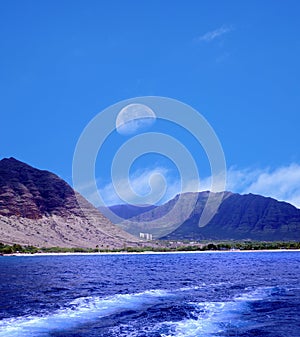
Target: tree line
{"points": [[159, 247]]}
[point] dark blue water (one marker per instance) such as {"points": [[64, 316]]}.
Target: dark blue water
{"points": [[211, 294]]}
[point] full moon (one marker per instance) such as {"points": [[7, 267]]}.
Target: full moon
{"points": [[134, 117]]}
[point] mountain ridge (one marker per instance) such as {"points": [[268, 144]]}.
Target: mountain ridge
{"points": [[243, 217], [39, 208], [247, 216]]}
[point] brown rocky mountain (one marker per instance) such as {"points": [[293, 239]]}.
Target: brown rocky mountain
{"points": [[39, 208]]}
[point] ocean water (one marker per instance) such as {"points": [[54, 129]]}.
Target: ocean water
{"points": [[184, 295]]}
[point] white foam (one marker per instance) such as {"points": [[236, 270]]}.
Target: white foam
{"points": [[210, 319], [214, 317], [79, 311], [210, 315], [192, 287], [255, 295]]}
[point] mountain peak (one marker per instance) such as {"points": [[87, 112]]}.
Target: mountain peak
{"points": [[13, 162], [9, 160], [238, 217], [37, 207]]}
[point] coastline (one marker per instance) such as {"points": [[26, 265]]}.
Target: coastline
{"points": [[153, 253]]}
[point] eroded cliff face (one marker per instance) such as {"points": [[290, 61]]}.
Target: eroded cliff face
{"points": [[243, 217], [39, 208]]}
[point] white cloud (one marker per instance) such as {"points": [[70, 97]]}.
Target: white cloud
{"points": [[211, 35], [149, 186], [282, 183], [143, 187], [159, 184]]}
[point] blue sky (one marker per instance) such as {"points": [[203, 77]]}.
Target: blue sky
{"points": [[236, 62]]}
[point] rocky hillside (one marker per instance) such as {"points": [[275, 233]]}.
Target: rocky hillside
{"points": [[242, 217], [239, 217], [164, 219], [38, 208]]}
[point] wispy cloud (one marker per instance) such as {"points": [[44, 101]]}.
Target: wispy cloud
{"points": [[145, 186], [214, 34], [282, 183], [159, 183]]}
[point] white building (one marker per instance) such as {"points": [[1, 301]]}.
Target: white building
{"points": [[146, 236]]}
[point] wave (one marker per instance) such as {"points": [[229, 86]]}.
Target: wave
{"points": [[79, 311], [204, 319], [202, 286], [219, 318]]}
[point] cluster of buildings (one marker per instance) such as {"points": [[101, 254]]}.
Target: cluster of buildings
{"points": [[146, 236]]}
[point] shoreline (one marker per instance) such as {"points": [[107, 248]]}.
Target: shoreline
{"points": [[152, 253]]}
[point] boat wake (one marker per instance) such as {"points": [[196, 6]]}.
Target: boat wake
{"points": [[199, 318]]}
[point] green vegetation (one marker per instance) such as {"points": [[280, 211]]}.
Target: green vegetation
{"points": [[160, 247], [7, 249], [241, 245]]}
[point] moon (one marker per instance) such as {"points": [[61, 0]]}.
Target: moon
{"points": [[133, 118]]}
